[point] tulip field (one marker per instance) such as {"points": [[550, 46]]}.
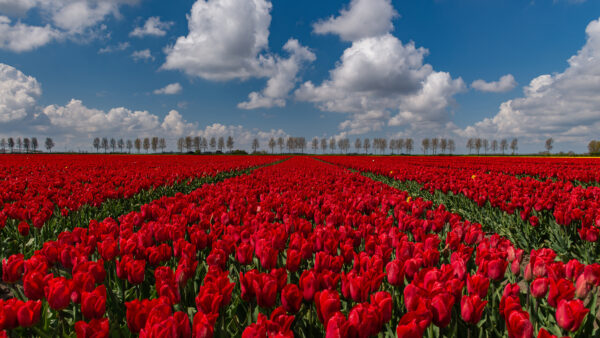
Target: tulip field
{"points": [[302, 246]]}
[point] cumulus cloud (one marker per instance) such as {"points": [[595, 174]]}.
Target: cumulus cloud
{"points": [[142, 55], [19, 37], [564, 105], [75, 124], [62, 19], [18, 93], [116, 48], [152, 27], [283, 80], [380, 74], [505, 84], [170, 89], [363, 18], [370, 121], [229, 39], [224, 41]]}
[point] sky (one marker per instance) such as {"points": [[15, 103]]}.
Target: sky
{"points": [[78, 69]]}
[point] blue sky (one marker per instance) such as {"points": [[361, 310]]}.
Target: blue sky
{"points": [[349, 69]]}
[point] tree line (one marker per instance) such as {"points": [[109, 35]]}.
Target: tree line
{"points": [[24, 145]]}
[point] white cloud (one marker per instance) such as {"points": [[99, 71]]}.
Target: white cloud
{"points": [[224, 41], [21, 37], [142, 55], [74, 124], [283, 80], [18, 93], [382, 74], [370, 121], [63, 19], [564, 105], [16, 7], [505, 84], [170, 89], [363, 18], [228, 39], [116, 48], [152, 27]]}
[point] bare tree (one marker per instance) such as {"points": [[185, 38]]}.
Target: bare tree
{"points": [[221, 143], [96, 143], [470, 144], [154, 144], [19, 144], [443, 145], [400, 144], [121, 144], [434, 145], [367, 145], [3, 144], [180, 144], [11, 144], [323, 145], [344, 145], [197, 142], [255, 144], [451, 146], [188, 142], [129, 145], [213, 143], [494, 146], [138, 144], [393, 145], [478, 145], [146, 144], [357, 145], [280, 144], [113, 144], [315, 144], [425, 145], [105, 144], [204, 144], [332, 144], [34, 144], [503, 145], [486, 145], [162, 144], [230, 143], [49, 144], [549, 144], [26, 144], [289, 143], [272, 144], [514, 146]]}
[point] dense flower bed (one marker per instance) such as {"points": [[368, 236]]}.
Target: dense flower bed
{"points": [[301, 248], [558, 201], [34, 187]]}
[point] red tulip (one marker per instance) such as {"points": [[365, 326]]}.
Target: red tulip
{"points": [[308, 284], [570, 314], [478, 284], [58, 293], [291, 298], [395, 272], [29, 313], [93, 304], [327, 303], [96, 328], [518, 325], [182, 324], [9, 313], [337, 326], [496, 269], [561, 289], [136, 269], [383, 301], [441, 308], [23, 228], [471, 308], [204, 325], [539, 287], [33, 285], [12, 269]]}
